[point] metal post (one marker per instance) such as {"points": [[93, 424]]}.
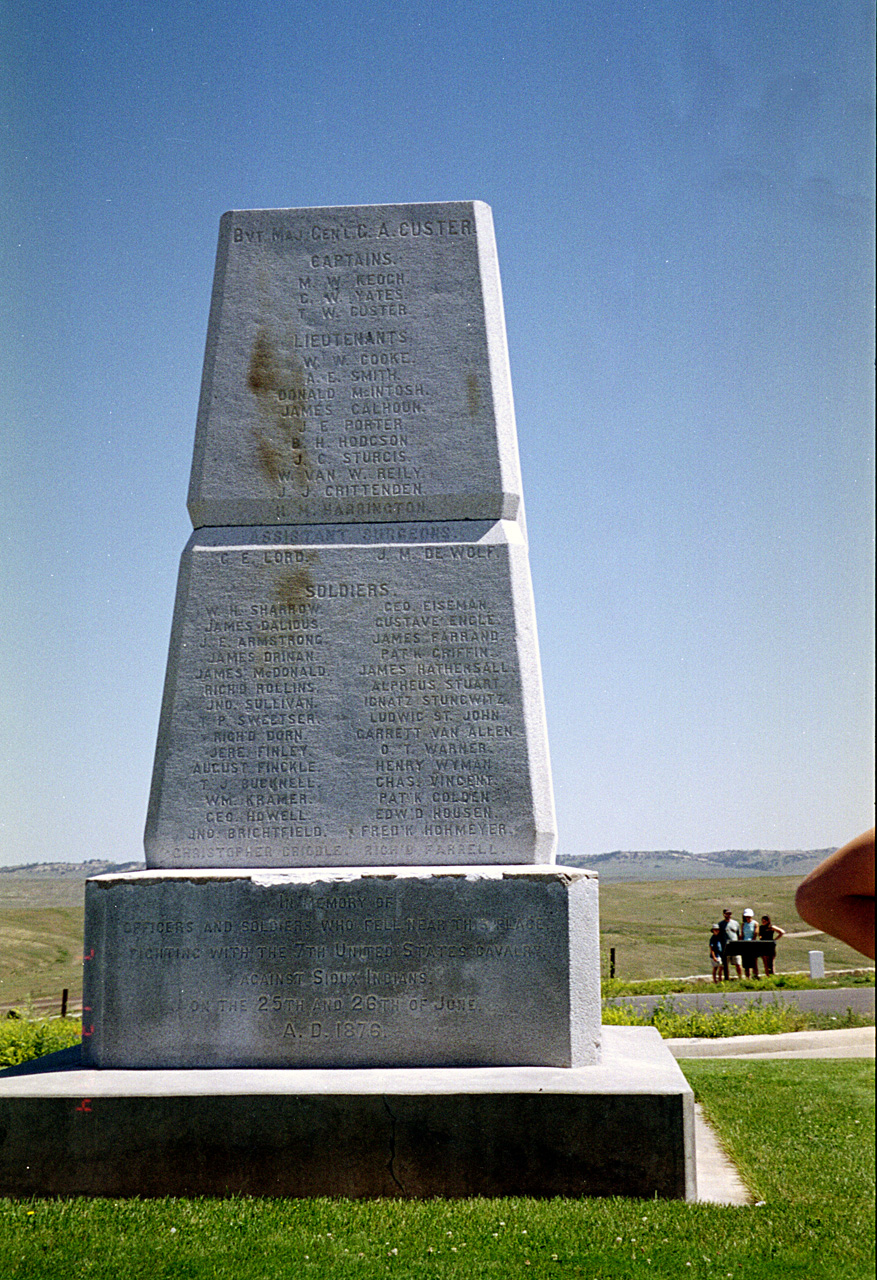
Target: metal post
{"points": [[611, 962], [64, 995]]}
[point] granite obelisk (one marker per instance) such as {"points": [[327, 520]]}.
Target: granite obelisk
{"points": [[353, 697]]}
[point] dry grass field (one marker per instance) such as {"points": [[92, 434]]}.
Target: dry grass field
{"points": [[658, 929], [40, 942], [661, 929]]}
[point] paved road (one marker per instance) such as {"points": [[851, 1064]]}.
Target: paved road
{"points": [[821, 1000]]}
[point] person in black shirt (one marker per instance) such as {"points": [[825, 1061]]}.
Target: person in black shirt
{"points": [[716, 953], [769, 933]]}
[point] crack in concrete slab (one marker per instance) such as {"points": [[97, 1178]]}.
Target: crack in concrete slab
{"points": [[391, 1162]]}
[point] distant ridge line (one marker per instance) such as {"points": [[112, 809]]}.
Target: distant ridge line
{"points": [[82, 870], [667, 864], [678, 864], [724, 855]]}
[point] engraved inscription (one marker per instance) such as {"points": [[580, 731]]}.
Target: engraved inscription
{"points": [[381, 964], [355, 706], [359, 368]]}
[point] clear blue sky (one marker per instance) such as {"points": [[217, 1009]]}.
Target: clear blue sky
{"points": [[683, 199]]}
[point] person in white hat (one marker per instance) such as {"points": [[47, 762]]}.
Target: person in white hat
{"points": [[748, 936]]}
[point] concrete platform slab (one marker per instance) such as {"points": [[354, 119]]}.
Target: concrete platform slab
{"points": [[625, 1127]]}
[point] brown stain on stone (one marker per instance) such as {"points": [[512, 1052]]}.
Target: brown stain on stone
{"points": [[279, 386], [289, 589], [473, 394], [270, 458], [292, 588], [262, 378]]}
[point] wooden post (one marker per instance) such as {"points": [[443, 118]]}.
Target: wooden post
{"points": [[64, 994], [611, 962]]}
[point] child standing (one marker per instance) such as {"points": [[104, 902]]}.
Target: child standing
{"points": [[716, 953]]}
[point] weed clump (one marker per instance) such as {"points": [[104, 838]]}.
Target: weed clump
{"points": [[22, 1039], [755, 1019]]}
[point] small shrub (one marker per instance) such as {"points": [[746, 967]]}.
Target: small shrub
{"points": [[22, 1039], [756, 1019]]}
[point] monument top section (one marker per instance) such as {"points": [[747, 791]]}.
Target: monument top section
{"points": [[356, 370]]}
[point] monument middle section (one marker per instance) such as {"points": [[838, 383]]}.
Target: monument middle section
{"points": [[352, 695], [405, 966]]}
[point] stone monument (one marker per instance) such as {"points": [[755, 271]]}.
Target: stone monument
{"points": [[353, 687], [350, 840]]}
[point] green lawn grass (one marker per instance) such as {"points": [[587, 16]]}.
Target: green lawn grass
{"points": [[802, 1132]]}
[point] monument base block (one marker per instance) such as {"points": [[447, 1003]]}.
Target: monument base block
{"points": [[462, 966], [625, 1127]]}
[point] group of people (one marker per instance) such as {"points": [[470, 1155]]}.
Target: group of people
{"points": [[744, 945], [837, 898]]}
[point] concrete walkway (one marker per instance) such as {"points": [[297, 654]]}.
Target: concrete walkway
{"points": [[848, 1042], [718, 1181]]}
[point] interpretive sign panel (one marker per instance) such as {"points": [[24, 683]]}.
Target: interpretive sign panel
{"points": [[361, 704], [402, 967], [356, 370]]}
